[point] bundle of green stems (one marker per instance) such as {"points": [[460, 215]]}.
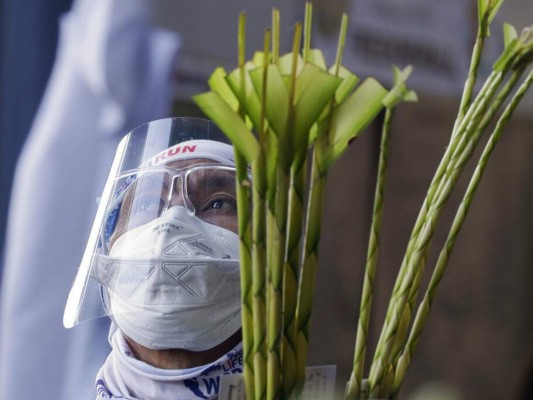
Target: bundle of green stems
{"points": [[290, 118], [479, 113], [286, 115]]}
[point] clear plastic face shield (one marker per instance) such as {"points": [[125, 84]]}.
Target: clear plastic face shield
{"points": [[163, 250]]}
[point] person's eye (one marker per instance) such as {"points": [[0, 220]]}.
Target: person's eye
{"points": [[220, 204]]}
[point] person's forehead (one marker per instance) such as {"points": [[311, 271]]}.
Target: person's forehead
{"points": [[179, 164]]}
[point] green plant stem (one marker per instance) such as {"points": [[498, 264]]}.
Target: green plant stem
{"points": [[306, 285], [307, 30], [436, 184], [293, 248], [275, 304], [462, 154], [243, 201], [444, 256], [438, 194], [470, 83], [275, 35], [467, 143], [259, 254], [243, 192], [259, 280], [477, 119], [291, 275], [278, 284], [354, 385], [445, 183], [312, 230]]}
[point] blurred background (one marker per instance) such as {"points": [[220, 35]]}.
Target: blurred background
{"points": [[477, 343]]}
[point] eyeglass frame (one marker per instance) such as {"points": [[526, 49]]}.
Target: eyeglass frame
{"points": [[132, 177]]}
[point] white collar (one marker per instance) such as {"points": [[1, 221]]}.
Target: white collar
{"points": [[123, 375]]}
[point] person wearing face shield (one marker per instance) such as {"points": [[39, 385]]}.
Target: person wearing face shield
{"points": [[163, 254]]}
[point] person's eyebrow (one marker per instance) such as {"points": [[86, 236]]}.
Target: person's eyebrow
{"points": [[149, 182], [215, 179]]}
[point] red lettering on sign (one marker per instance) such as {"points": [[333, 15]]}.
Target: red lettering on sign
{"points": [[191, 149]]}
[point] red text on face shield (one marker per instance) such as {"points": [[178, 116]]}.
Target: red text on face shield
{"points": [[172, 152]]}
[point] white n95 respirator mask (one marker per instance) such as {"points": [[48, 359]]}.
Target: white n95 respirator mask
{"points": [[163, 252], [181, 289]]}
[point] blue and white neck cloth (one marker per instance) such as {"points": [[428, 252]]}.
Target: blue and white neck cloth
{"points": [[124, 377]]}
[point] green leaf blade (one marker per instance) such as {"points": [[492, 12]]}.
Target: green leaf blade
{"points": [[248, 97], [349, 82], [315, 90], [352, 116], [217, 83], [230, 123], [277, 100]]}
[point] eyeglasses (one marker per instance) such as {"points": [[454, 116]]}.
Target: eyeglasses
{"points": [[205, 190]]}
